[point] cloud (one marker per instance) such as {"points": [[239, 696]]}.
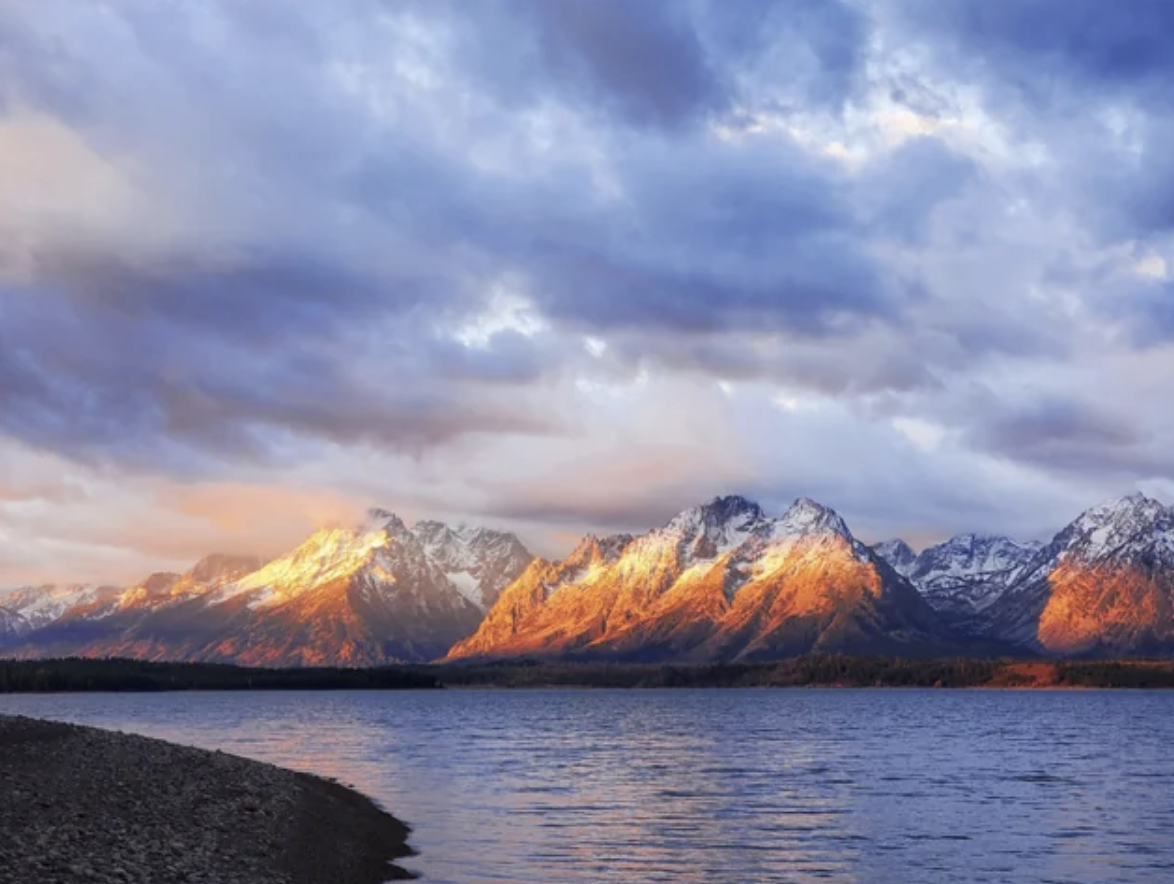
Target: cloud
{"points": [[644, 61], [1062, 433], [1073, 47], [578, 264]]}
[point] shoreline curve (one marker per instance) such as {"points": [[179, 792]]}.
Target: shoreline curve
{"points": [[96, 806]]}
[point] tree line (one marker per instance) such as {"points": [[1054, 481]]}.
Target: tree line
{"points": [[827, 670], [75, 674]]}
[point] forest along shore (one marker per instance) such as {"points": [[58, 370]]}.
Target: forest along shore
{"points": [[813, 670], [87, 805]]}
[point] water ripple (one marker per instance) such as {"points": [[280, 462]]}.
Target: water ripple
{"points": [[710, 787]]}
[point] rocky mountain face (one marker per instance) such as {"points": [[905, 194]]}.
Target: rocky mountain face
{"points": [[87, 620], [898, 554], [346, 596], [1104, 586], [963, 576], [39, 606], [478, 561], [721, 581], [12, 625]]}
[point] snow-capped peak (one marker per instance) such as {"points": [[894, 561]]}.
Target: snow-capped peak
{"points": [[720, 514], [898, 554], [806, 516], [379, 519], [1119, 527], [594, 550], [964, 574], [478, 561], [41, 605], [12, 624], [716, 527]]}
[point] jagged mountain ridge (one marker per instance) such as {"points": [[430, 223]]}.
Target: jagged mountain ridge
{"points": [[964, 575], [39, 606], [722, 581], [719, 582], [12, 625], [346, 596], [480, 562], [898, 554], [1104, 586], [96, 621]]}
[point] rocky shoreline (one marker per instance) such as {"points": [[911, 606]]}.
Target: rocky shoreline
{"points": [[86, 805]]}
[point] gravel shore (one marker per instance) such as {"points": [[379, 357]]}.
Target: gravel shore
{"points": [[79, 804]]}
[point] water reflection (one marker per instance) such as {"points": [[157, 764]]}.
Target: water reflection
{"points": [[720, 786]]}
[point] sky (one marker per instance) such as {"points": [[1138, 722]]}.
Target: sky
{"points": [[571, 266]]}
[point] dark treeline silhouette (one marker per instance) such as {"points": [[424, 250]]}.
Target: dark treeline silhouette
{"points": [[816, 671], [1116, 675], [797, 672], [73, 674]]}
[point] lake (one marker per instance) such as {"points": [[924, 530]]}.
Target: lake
{"points": [[718, 786]]}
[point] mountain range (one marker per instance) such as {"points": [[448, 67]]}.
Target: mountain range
{"points": [[719, 582], [723, 581], [375, 593]]}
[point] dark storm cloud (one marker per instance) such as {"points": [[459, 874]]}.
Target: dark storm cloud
{"points": [[1093, 81], [642, 63], [1056, 50], [181, 381], [356, 182], [1064, 433], [723, 239], [656, 64], [258, 296], [644, 59]]}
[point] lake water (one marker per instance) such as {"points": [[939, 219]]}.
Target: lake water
{"points": [[717, 786]]}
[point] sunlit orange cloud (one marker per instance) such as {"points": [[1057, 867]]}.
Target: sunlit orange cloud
{"points": [[266, 509], [566, 538], [65, 522]]}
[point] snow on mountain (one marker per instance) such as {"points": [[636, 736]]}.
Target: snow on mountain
{"points": [[1104, 585], [153, 591], [12, 625], [805, 517], [898, 554], [480, 562], [326, 556], [39, 606], [706, 532], [965, 574], [207, 576], [1131, 528], [719, 581], [363, 595]]}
